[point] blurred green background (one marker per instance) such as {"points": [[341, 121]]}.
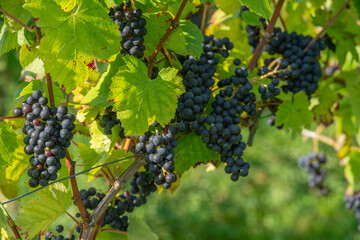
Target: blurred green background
{"points": [[273, 202]]}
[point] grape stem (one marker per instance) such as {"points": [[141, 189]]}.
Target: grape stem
{"points": [[72, 218], [174, 24], [269, 30], [10, 117], [107, 176], [89, 231], [18, 21], [76, 194], [331, 21], [168, 56], [203, 18], [50, 90], [113, 230], [12, 225]]}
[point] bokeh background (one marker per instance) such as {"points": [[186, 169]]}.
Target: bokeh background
{"points": [[273, 202]]}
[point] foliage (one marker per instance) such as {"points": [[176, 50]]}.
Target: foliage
{"points": [[74, 53]]}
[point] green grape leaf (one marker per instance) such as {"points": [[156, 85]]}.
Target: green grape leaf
{"points": [[189, 9], [5, 230], [106, 235], [295, 114], [27, 88], [140, 101], [66, 5], [27, 55], [99, 94], [138, 230], [108, 3], [156, 25], [34, 71], [345, 117], [100, 141], [228, 6], [57, 198], [351, 170], [353, 88], [8, 144], [190, 151], [73, 39], [20, 161], [260, 7], [323, 100], [8, 40], [87, 115], [251, 18], [186, 39], [14, 8], [8, 188]]}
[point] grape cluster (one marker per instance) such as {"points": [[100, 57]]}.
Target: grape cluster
{"points": [[159, 151], [197, 77], [48, 132], [353, 202], [220, 130], [312, 164], [109, 120], [132, 28], [303, 70], [59, 229]]}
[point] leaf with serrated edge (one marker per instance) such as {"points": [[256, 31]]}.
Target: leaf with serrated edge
{"points": [[140, 101], [296, 114], [57, 199], [73, 39], [8, 144], [192, 150]]}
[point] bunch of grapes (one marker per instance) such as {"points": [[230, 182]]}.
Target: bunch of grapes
{"points": [[353, 202], [132, 28], [159, 151], [109, 120], [197, 77], [48, 133], [312, 164], [59, 229], [220, 130]]}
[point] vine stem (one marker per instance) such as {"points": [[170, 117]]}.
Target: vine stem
{"points": [[174, 24], [268, 33], [331, 21], [76, 194], [50, 89], [17, 20], [10, 117], [89, 230]]}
